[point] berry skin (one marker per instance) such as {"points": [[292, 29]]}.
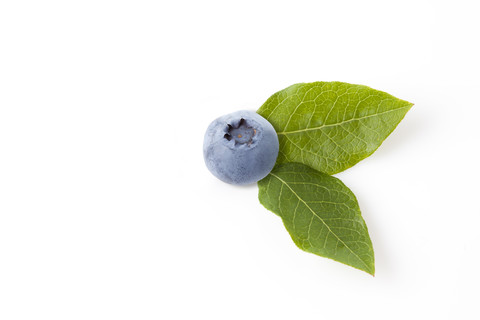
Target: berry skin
{"points": [[240, 147]]}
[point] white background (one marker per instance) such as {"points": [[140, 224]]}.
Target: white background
{"points": [[107, 210]]}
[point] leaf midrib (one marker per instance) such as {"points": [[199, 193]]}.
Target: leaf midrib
{"points": [[342, 122], [326, 225]]}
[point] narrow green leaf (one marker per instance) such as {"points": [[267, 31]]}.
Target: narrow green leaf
{"points": [[330, 126], [320, 213]]}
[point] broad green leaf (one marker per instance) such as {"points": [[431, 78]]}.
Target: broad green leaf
{"points": [[331, 126], [320, 213]]}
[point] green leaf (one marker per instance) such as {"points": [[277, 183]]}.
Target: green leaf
{"points": [[331, 126], [320, 213]]}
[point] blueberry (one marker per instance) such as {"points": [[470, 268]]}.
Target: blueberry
{"points": [[240, 147]]}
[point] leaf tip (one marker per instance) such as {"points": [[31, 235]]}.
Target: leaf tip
{"points": [[372, 272]]}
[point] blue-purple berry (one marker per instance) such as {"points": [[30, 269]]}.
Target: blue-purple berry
{"points": [[240, 147]]}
